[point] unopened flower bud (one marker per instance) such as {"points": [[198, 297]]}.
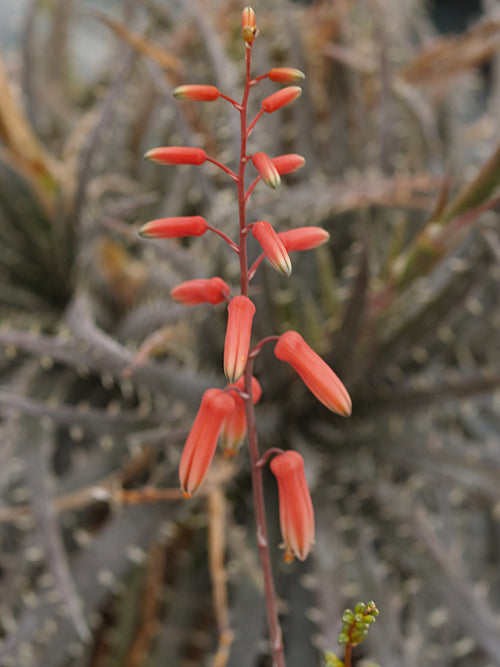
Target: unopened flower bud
{"points": [[172, 228], [266, 169], [171, 155], [239, 328], [196, 93], [201, 290], [303, 238], [288, 163], [285, 75], [281, 98], [248, 28], [273, 247]]}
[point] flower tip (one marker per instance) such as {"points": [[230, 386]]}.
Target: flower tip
{"points": [[249, 29], [187, 495]]}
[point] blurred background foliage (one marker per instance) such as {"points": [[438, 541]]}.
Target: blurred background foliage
{"points": [[101, 563]]}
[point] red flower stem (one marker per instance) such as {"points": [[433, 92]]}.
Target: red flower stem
{"points": [[235, 104], [257, 482], [255, 351], [253, 82], [255, 266], [226, 238], [254, 123], [251, 188], [228, 171], [267, 455]]}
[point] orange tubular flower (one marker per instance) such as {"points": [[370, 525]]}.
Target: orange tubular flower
{"points": [[234, 427], [170, 155], [318, 377], [203, 290], [202, 439], [303, 238], [273, 247], [281, 98], [239, 328], [267, 170], [172, 228], [248, 28], [296, 509], [196, 93], [285, 75], [286, 164]]}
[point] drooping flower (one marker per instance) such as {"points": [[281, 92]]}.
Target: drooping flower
{"points": [[248, 28], [171, 155], [303, 238], [285, 75], [315, 373], [201, 443], [234, 426], [201, 290], [197, 93], [280, 99], [239, 328], [172, 228], [267, 170], [295, 505], [288, 163], [273, 247]]}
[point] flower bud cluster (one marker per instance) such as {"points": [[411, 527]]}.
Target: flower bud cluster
{"points": [[355, 624]]}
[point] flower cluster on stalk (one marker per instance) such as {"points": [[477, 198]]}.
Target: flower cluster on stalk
{"points": [[223, 413]]}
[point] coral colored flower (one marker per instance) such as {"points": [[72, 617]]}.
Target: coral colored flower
{"points": [[196, 93], [273, 247], [248, 28], [172, 228], [239, 328], [316, 373], [202, 290], [286, 75], [176, 155], [281, 98], [267, 170], [234, 426], [201, 443], [286, 164], [296, 509], [303, 238]]}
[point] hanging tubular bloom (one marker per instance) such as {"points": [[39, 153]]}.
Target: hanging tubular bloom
{"points": [[234, 426], [286, 164], [201, 290], [172, 228], [202, 439], [171, 155], [281, 98], [273, 247], [197, 93], [239, 328], [285, 75], [248, 28], [316, 374], [295, 505], [303, 238], [267, 170]]}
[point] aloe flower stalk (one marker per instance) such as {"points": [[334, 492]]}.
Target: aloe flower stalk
{"points": [[239, 327], [316, 374], [295, 505], [234, 427], [273, 247], [201, 443]]}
